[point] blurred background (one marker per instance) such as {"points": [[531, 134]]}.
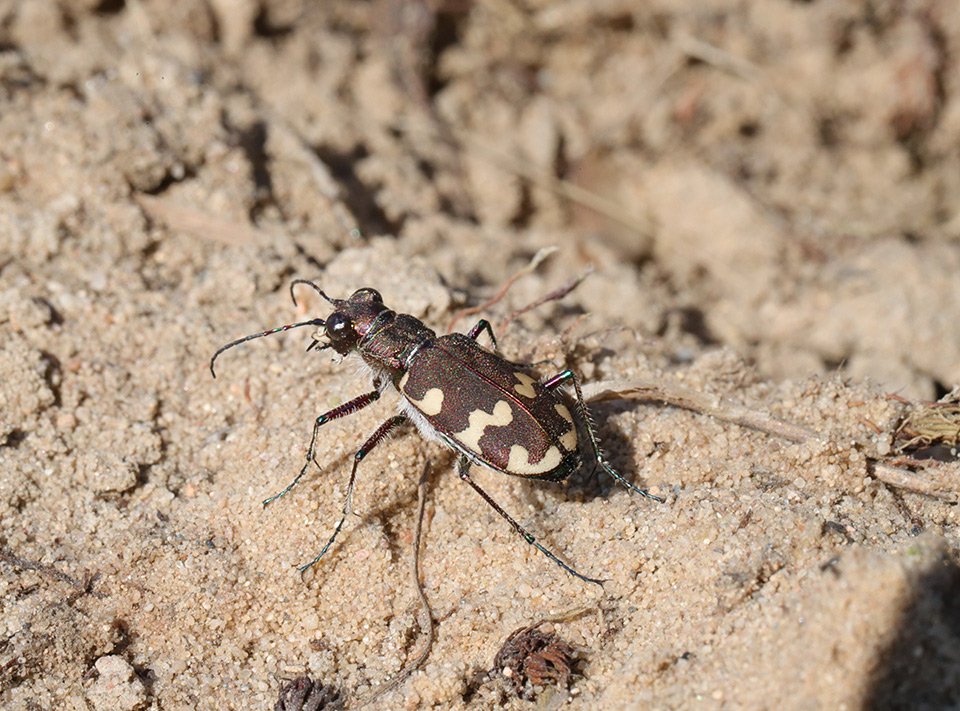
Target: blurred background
{"points": [[767, 194]]}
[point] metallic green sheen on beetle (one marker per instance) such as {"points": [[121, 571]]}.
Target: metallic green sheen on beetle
{"points": [[490, 411]]}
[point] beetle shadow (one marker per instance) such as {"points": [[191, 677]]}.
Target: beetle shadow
{"points": [[390, 512], [920, 666], [386, 511], [317, 530]]}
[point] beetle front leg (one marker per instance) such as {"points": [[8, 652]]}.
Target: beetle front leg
{"points": [[463, 467], [558, 380], [347, 408], [374, 439]]}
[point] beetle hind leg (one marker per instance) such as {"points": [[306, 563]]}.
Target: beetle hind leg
{"points": [[484, 325], [558, 380], [481, 326], [372, 441], [463, 467]]}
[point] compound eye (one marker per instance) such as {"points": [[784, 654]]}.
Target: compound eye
{"points": [[367, 294], [337, 324]]}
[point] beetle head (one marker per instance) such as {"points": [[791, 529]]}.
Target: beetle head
{"points": [[352, 319]]}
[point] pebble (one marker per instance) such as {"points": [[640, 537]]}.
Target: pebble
{"points": [[118, 687]]}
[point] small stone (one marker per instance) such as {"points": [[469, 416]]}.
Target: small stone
{"points": [[106, 472], [118, 688], [66, 421]]}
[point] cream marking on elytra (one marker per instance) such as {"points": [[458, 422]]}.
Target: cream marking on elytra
{"points": [[568, 440], [520, 463], [479, 421], [525, 387], [431, 403]]}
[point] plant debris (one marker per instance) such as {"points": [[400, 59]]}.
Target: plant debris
{"points": [[305, 694], [539, 657], [931, 423]]}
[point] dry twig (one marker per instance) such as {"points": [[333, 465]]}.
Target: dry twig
{"points": [[554, 295], [721, 59], [940, 480], [47, 571], [531, 266], [678, 396], [426, 614]]}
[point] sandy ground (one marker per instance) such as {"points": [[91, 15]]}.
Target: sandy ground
{"points": [[767, 193]]}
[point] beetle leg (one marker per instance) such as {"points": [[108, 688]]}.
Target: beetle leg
{"points": [[483, 325], [374, 439], [347, 408], [558, 380], [463, 467]]}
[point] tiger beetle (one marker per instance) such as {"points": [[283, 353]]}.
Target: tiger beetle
{"points": [[488, 410]]}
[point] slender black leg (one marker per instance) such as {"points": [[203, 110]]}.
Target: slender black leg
{"points": [[463, 466], [558, 380], [483, 325], [347, 408], [374, 439]]}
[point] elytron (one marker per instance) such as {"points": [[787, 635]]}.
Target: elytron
{"points": [[490, 411]]}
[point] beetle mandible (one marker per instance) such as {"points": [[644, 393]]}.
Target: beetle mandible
{"points": [[488, 410]]}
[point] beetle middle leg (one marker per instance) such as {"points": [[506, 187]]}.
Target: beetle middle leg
{"points": [[558, 380], [463, 467], [347, 408], [372, 441]]}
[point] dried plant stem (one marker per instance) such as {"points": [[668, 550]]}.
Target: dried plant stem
{"points": [[47, 571], [707, 53], [940, 480], [678, 396], [936, 479], [531, 266], [426, 614], [554, 295]]}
